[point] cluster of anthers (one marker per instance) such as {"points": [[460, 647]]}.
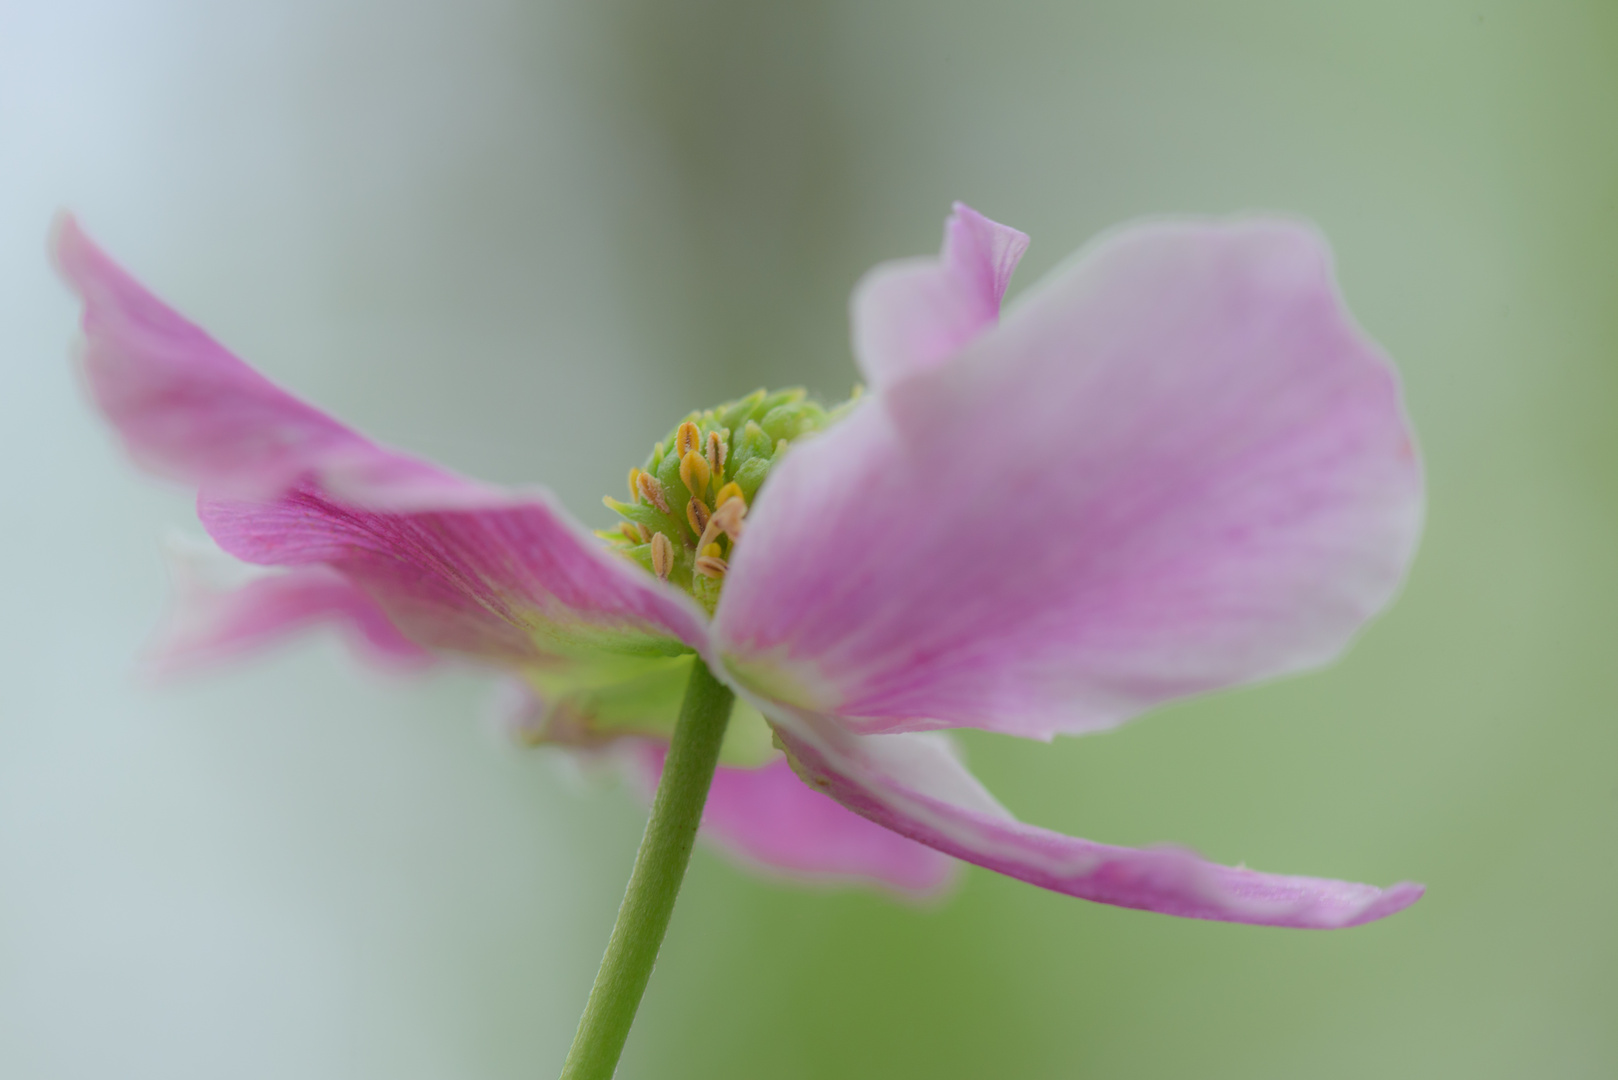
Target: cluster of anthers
{"points": [[686, 505]]}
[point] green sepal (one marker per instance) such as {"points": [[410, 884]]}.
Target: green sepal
{"points": [[638, 700]]}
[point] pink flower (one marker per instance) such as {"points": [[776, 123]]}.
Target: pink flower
{"points": [[1175, 466]]}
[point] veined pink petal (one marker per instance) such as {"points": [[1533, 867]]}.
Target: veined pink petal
{"points": [[901, 783], [209, 624], [911, 314], [453, 563], [517, 583], [1176, 466], [767, 819]]}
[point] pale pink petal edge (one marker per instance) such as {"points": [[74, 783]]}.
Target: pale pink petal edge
{"points": [[207, 624], [892, 781]]}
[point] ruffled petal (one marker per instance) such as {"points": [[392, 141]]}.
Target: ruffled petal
{"points": [[912, 314], [903, 783], [455, 564], [1176, 466], [211, 623], [769, 821]]}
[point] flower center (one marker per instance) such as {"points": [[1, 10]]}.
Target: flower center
{"points": [[684, 516]]}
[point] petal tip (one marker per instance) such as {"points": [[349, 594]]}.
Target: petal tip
{"points": [[1394, 899], [69, 249]]}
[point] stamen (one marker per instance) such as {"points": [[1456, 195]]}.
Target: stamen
{"points": [[716, 453], [722, 456], [649, 487], [687, 439], [711, 566], [662, 556], [694, 472], [696, 513], [709, 534], [728, 518]]}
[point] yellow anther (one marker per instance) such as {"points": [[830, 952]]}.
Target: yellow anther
{"points": [[649, 487], [730, 491], [696, 513], [662, 556], [688, 439], [711, 566], [632, 531], [716, 454], [694, 472], [711, 551], [634, 485]]}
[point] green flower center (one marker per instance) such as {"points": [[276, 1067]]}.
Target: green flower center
{"points": [[686, 505]]}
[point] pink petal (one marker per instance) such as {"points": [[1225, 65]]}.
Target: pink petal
{"points": [[1178, 466], [453, 563], [210, 624], [914, 313], [518, 583], [903, 784], [767, 819], [187, 409]]}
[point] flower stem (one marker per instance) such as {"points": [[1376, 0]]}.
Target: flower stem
{"points": [[655, 882]]}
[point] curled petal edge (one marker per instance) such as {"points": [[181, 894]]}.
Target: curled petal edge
{"points": [[911, 314], [897, 782]]}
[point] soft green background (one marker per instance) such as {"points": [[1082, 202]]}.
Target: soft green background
{"points": [[522, 237]]}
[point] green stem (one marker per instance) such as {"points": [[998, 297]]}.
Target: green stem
{"points": [[655, 882]]}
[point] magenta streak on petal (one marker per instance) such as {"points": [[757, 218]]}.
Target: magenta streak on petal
{"points": [[209, 626], [914, 313], [454, 563], [1174, 467], [769, 820], [897, 785]]}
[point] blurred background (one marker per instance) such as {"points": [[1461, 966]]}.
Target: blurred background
{"points": [[523, 236]]}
